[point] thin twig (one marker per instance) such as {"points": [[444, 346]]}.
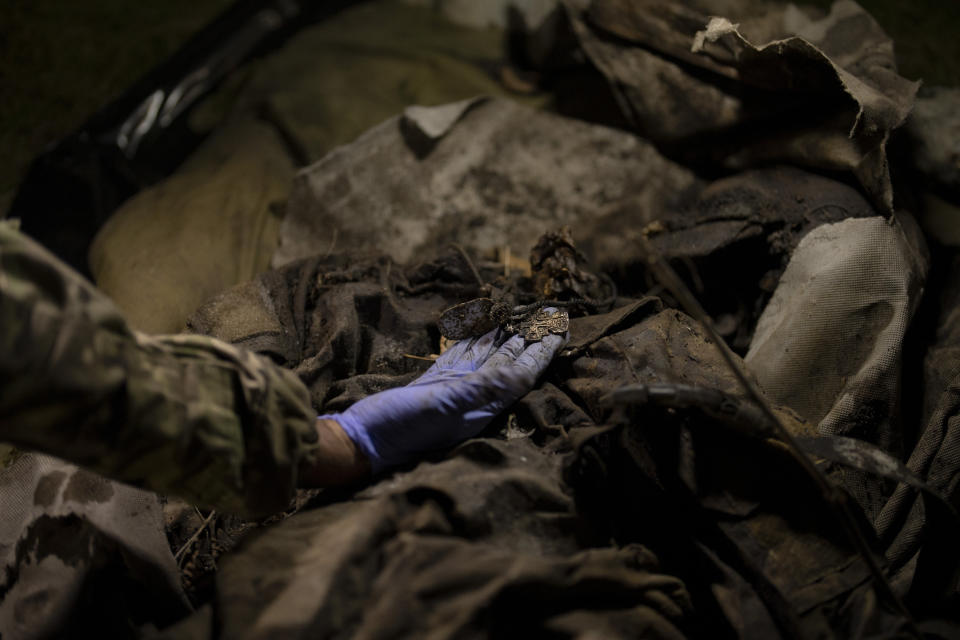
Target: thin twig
{"points": [[196, 534], [466, 258], [427, 358], [833, 496]]}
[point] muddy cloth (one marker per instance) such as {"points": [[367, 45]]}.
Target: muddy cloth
{"points": [[340, 322], [76, 549], [483, 544], [736, 512], [760, 82], [829, 343], [486, 540], [905, 522], [488, 536], [447, 174], [494, 178], [732, 243]]}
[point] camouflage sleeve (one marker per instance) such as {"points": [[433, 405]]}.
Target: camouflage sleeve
{"points": [[183, 415]]}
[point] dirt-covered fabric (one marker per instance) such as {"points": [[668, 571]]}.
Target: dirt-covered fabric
{"points": [[731, 243], [493, 519], [905, 522], [483, 544], [767, 556], [404, 193], [352, 320], [830, 346], [571, 516], [739, 83], [347, 325], [829, 343], [495, 180], [477, 533]]}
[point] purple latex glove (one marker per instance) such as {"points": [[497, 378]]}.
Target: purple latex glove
{"points": [[453, 400]]}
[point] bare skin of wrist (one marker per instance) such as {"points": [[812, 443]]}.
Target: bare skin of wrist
{"points": [[336, 460]]}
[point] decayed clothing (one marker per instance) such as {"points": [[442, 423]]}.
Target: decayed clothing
{"points": [[183, 415], [500, 537]]}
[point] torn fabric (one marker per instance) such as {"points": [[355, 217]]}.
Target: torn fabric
{"points": [[776, 83]]}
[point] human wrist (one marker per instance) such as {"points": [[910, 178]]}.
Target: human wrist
{"points": [[336, 459]]}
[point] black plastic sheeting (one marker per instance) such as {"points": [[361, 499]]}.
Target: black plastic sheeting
{"points": [[142, 136]]}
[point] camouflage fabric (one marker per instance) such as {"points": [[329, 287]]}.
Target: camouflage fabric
{"points": [[765, 83], [185, 415], [81, 556]]}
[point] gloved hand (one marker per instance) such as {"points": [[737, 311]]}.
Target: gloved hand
{"points": [[453, 400]]}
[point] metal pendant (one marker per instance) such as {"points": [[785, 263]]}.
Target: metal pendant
{"points": [[539, 325]]}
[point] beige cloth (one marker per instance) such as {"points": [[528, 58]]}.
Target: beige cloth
{"points": [[828, 344], [205, 228]]}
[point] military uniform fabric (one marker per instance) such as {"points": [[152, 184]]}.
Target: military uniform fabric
{"points": [[751, 83], [185, 415], [81, 552], [420, 526]]}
